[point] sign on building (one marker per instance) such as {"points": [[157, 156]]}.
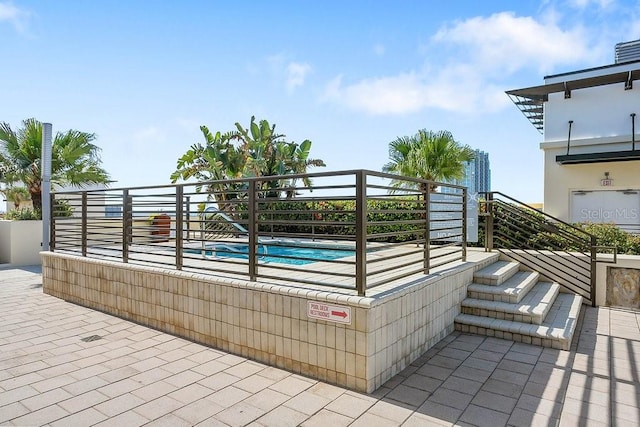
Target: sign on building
{"points": [[620, 207]]}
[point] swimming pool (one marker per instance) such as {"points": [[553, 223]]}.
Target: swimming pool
{"points": [[282, 254]]}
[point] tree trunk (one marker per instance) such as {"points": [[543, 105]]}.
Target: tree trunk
{"points": [[36, 199]]}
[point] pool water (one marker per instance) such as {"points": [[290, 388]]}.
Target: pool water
{"points": [[278, 253]]}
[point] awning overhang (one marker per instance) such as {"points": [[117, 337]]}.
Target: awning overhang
{"points": [[531, 100], [610, 156]]}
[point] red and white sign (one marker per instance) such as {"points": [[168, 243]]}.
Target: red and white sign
{"points": [[328, 312]]}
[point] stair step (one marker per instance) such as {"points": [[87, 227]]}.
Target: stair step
{"points": [[496, 273], [512, 290], [556, 331], [531, 309]]}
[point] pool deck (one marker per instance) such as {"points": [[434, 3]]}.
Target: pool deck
{"points": [[134, 375]]}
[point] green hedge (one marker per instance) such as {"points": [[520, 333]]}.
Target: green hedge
{"points": [[338, 218]]}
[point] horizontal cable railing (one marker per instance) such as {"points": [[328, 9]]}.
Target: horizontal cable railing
{"points": [[352, 229], [559, 251]]}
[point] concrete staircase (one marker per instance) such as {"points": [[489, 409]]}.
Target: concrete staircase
{"points": [[506, 302]]}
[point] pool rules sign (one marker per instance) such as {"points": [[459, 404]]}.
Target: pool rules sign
{"points": [[328, 312]]}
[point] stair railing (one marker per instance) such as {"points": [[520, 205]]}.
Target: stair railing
{"points": [[557, 250]]}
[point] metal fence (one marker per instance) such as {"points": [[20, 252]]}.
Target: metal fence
{"points": [[350, 229], [559, 251]]}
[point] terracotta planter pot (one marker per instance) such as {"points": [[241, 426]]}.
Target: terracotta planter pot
{"points": [[161, 228]]}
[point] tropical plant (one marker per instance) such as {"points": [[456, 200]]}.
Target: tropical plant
{"points": [[17, 195], [75, 160], [23, 214], [433, 156], [243, 153]]}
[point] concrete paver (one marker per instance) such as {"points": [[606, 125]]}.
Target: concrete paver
{"points": [[133, 375]]}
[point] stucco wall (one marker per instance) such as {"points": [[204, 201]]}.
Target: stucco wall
{"points": [[20, 242], [596, 112], [560, 180]]}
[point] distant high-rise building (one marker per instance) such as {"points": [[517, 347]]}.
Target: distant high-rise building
{"points": [[480, 170], [477, 174]]}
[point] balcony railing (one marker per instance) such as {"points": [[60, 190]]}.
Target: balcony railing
{"points": [[352, 229]]}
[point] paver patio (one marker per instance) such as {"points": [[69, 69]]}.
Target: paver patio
{"points": [[133, 375]]}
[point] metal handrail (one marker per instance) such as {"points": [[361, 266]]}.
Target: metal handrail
{"points": [[575, 270]]}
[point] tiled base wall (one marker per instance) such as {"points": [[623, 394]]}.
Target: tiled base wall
{"points": [[269, 323]]}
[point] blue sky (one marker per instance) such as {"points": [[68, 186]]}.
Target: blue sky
{"points": [[351, 76]]}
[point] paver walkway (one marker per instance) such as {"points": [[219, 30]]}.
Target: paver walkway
{"points": [[133, 375]]}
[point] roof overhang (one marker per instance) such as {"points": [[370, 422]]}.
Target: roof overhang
{"points": [[531, 100], [612, 156]]}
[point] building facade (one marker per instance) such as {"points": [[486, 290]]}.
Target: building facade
{"points": [[588, 119], [477, 174]]}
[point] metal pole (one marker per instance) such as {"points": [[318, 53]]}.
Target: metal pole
{"points": [[633, 131], [361, 232], [52, 231], [179, 225], [427, 235], [593, 271], [84, 223], [464, 224], [488, 238], [253, 230], [126, 223], [569, 137], [45, 168], [188, 216]]}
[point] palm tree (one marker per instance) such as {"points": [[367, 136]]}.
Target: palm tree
{"points": [[433, 156], [75, 160]]}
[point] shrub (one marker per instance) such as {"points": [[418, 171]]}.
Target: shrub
{"points": [[62, 208], [24, 214], [611, 235]]}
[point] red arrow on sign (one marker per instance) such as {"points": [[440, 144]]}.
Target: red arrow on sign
{"points": [[339, 313]]}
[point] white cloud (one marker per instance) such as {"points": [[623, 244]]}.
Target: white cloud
{"points": [[583, 4], [505, 40], [379, 49], [411, 92], [292, 73], [296, 74], [466, 63], [13, 15]]}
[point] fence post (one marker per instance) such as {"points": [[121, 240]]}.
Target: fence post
{"points": [[593, 271], [361, 232], [188, 216], [84, 223], [253, 229], [488, 225], [464, 224], [126, 223], [179, 225], [427, 226], [52, 227]]}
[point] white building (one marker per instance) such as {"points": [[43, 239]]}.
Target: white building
{"points": [[591, 140]]}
